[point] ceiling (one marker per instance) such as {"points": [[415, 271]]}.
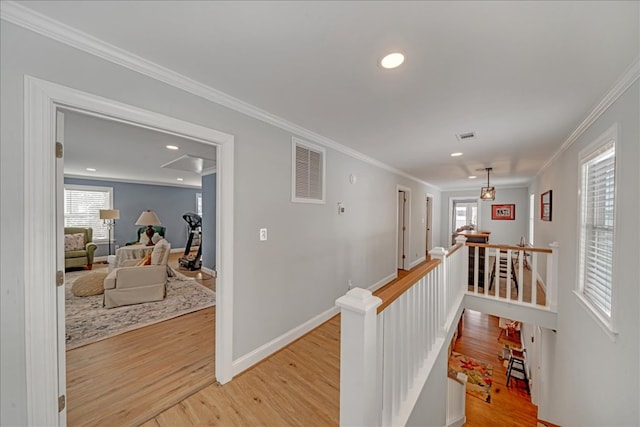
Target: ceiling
{"points": [[522, 75], [124, 152]]}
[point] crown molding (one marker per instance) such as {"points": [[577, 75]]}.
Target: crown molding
{"points": [[22, 16], [631, 74]]}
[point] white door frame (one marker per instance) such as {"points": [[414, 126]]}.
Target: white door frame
{"points": [[41, 100]]}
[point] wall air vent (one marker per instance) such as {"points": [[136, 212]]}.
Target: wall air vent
{"points": [[466, 136]]}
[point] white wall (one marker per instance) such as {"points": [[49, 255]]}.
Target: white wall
{"points": [[279, 284], [589, 379], [502, 231]]}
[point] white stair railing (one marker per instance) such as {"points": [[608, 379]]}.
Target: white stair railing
{"points": [[390, 344]]}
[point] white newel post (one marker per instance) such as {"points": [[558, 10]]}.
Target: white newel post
{"points": [[552, 275], [441, 254], [358, 358]]}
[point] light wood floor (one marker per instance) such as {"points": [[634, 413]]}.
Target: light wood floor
{"points": [[298, 386], [510, 406], [129, 378], [162, 375]]}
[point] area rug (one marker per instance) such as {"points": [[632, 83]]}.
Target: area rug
{"points": [[479, 375], [87, 321]]}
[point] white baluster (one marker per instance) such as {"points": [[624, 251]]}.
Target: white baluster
{"points": [[521, 259], [534, 278]]}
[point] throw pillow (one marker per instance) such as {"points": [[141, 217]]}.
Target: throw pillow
{"points": [[89, 284], [74, 242], [144, 261]]}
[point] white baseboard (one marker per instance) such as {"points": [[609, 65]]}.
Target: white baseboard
{"points": [[209, 271], [418, 261], [382, 282], [243, 363], [458, 423]]}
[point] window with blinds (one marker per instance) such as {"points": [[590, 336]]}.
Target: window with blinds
{"points": [[597, 224], [308, 177], [82, 204]]}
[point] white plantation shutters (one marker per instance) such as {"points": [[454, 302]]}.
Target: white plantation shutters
{"points": [[308, 173], [597, 226], [82, 206]]}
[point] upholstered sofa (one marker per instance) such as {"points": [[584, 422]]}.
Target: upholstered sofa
{"points": [[134, 284], [79, 250]]}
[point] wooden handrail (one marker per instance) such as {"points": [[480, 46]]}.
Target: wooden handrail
{"points": [[454, 248], [513, 248], [389, 294]]}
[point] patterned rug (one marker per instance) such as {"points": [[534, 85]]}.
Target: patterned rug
{"points": [[87, 321], [479, 375]]}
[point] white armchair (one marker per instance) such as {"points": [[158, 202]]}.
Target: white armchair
{"points": [[136, 284]]}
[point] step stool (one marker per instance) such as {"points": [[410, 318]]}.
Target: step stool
{"points": [[516, 368]]}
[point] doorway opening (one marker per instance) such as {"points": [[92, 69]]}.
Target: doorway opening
{"points": [[403, 228], [129, 161], [464, 215], [428, 225], [44, 302]]}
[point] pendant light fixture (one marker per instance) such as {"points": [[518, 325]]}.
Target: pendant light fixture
{"points": [[488, 192]]}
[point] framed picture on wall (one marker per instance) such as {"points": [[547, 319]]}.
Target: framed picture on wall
{"points": [[546, 205], [507, 212]]}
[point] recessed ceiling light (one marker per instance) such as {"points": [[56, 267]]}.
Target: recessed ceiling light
{"points": [[392, 60], [456, 154], [91, 169], [472, 177], [180, 179], [173, 147]]}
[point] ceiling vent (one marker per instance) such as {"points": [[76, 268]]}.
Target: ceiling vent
{"points": [[467, 136], [194, 164]]}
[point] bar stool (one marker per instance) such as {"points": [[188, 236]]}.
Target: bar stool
{"points": [[516, 368]]}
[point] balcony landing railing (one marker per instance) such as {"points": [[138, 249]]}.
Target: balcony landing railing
{"points": [[390, 342], [512, 274]]}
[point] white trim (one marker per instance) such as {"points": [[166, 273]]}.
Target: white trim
{"points": [[596, 316], [478, 212], [41, 358], [23, 16], [630, 75], [41, 99], [88, 188], [586, 154], [381, 283], [417, 261], [208, 271], [248, 360]]}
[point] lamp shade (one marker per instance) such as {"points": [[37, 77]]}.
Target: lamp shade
{"points": [[148, 217], [109, 214]]}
